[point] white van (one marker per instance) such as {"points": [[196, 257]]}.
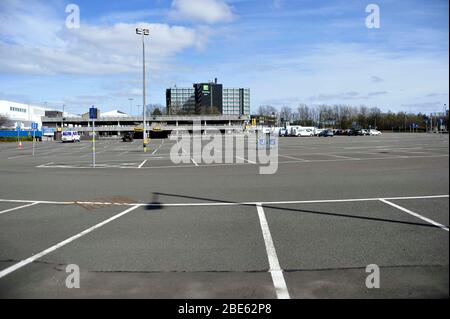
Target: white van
{"points": [[70, 136], [306, 132], [295, 130]]}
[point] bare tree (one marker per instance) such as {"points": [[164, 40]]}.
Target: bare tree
{"points": [[266, 110], [5, 121], [286, 113]]}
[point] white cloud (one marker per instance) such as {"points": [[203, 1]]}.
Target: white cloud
{"points": [[42, 45], [335, 73], [201, 11]]}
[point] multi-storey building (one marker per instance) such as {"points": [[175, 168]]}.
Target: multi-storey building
{"points": [[208, 98]]}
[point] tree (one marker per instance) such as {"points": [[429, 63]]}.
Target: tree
{"points": [[157, 112], [5, 121], [152, 107], [266, 110], [286, 113]]}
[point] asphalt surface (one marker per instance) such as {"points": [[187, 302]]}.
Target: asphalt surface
{"points": [[155, 229]]}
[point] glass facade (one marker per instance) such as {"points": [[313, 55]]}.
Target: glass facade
{"points": [[181, 100], [236, 101]]}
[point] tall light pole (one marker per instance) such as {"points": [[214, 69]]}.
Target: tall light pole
{"points": [[143, 32], [444, 116], [62, 119]]}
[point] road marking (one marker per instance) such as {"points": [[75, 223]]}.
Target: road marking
{"points": [[294, 158], [44, 165], [193, 161], [216, 203], [278, 162], [192, 158], [155, 151], [31, 259], [275, 270], [15, 208], [246, 160], [414, 214], [142, 164], [19, 156], [344, 157]]}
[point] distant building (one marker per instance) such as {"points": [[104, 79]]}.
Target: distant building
{"points": [[22, 115], [180, 100], [236, 102], [114, 113], [208, 98]]}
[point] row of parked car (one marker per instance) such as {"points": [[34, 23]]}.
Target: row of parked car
{"points": [[313, 131]]}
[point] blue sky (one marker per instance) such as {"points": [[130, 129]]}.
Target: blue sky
{"points": [[287, 52]]}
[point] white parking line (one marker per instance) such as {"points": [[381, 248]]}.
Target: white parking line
{"points": [[293, 158], [142, 164], [44, 165], [155, 151], [31, 259], [19, 156], [193, 161], [298, 161], [414, 214], [192, 158], [275, 270], [216, 203], [246, 160], [344, 157], [15, 208]]}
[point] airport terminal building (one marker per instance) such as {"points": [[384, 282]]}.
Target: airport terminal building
{"points": [[208, 99], [207, 104], [21, 115]]}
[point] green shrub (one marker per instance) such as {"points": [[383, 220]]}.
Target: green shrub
{"points": [[14, 139]]}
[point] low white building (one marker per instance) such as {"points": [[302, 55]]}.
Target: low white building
{"points": [[21, 114], [114, 113]]}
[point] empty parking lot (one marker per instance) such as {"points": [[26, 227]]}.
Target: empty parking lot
{"points": [[140, 226]]}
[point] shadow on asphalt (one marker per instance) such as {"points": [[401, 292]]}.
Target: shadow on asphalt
{"points": [[157, 205]]}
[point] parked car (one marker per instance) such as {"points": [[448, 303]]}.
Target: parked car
{"points": [[283, 132], [318, 131], [70, 136], [374, 132], [127, 137], [305, 132], [362, 132], [351, 132], [326, 133]]}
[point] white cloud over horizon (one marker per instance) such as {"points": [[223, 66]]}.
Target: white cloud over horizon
{"points": [[201, 11], [42, 44], [310, 54]]}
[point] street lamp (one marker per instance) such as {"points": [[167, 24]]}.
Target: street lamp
{"points": [[143, 32], [62, 119]]}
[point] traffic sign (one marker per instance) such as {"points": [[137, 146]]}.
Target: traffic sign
{"points": [[34, 126], [93, 112]]}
